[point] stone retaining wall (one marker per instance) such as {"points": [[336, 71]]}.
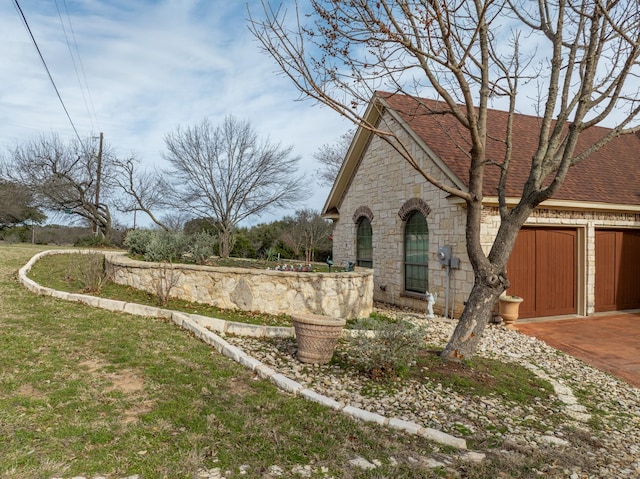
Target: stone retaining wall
{"points": [[340, 295]]}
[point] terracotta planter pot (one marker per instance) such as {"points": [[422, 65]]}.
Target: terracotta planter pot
{"points": [[509, 308], [316, 337]]}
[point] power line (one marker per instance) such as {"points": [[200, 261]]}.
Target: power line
{"points": [[84, 75], [26, 24], [73, 62]]}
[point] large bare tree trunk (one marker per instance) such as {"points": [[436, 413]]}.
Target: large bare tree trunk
{"points": [[475, 317], [226, 240], [490, 278]]}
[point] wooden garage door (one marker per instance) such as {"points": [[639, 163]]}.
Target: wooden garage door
{"points": [[617, 270], [542, 269]]}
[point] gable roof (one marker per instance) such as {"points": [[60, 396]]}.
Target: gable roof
{"points": [[609, 176]]}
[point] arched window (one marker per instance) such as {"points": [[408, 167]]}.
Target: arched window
{"points": [[416, 253], [364, 243]]}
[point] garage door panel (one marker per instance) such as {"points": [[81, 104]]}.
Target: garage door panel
{"points": [[521, 264], [542, 269], [629, 275], [555, 271], [617, 270], [605, 271]]}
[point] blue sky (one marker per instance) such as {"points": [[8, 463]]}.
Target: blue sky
{"points": [[150, 66]]}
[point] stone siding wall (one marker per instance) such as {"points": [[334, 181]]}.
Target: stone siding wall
{"points": [[340, 295], [384, 184]]}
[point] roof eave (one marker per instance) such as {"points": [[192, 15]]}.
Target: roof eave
{"points": [[352, 158], [570, 205]]}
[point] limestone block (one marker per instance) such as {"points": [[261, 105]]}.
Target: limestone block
{"points": [[244, 329], [214, 324], [410, 427], [365, 415], [111, 304], [278, 332], [197, 330], [179, 318], [442, 438], [249, 362], [215, 341], [85, 299], [142, 310], [58, 294], [233, 352], [321, 399], [285, 383]]}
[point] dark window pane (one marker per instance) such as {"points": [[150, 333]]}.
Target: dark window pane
{"points": [[364, 244], [416, 254]]}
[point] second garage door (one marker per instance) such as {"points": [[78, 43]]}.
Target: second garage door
{"points": [[542, 269], [617, 270]]}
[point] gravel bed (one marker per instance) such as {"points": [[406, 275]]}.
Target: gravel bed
{"points": [[593, 426]]}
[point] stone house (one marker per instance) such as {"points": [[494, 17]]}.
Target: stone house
{"points": [[579, 253]]}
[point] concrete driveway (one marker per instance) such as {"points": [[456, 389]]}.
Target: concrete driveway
{"points": [[609, 342]]}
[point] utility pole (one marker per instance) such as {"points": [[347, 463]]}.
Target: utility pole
{"points": [[99, 175]]}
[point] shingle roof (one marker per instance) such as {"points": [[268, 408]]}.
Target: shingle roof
{"points": [[612, 175]]}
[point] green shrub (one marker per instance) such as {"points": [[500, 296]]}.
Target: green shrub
{"points": [[202, 247], [271, 254], [167, 246], [242, 247], [137, 241], [385, 348], [93, 241]]}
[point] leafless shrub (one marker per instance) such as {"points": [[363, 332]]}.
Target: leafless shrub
{"points": [[166, 277], [90, 270]]}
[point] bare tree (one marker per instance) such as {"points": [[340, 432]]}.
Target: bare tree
{"points": [[306, 232], [142, 190], [64, 177], [230, 174], [581, 56], [175, 220], [331, 158]]}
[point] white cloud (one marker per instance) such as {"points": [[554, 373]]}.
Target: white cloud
{"points": [[150, 67]]}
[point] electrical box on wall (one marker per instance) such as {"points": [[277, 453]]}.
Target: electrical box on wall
{"points": [[444, 255], [446, 258]]}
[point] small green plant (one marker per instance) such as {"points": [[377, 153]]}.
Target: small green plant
{"points": [[372, 322], [93, 241], [462, 429], [137, 241], [271, 254], [385, 349], [202, 247], [167, 246]]}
